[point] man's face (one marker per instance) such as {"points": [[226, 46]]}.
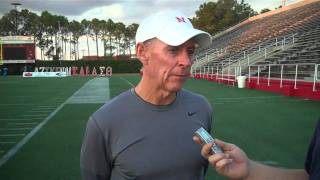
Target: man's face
{"points": [[168, 66]]}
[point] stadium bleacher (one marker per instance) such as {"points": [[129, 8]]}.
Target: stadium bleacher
{"points": [[261, 32], [284, 43]]}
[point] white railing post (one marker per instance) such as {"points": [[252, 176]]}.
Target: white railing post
{"points": [[269, 75], [217, 73], [295, 78], [249, 68], [281, 76], [265, 52], [293, 38], [258, 80], [222, 70], [315, 77]]}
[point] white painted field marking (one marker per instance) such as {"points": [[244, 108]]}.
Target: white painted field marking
{"points": [[271, 163], [41, 111], [132, 85], [21, 124], [19, 119], [96, 91], [34, 115], [7, 142], [19, 104], [11, 135], [18, 146], [14, 129]]}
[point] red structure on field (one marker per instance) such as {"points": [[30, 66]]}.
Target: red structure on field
{"points": [[18, 49], [17, 52]]}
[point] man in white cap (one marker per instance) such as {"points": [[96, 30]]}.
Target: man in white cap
{"points": [[146, 132]]}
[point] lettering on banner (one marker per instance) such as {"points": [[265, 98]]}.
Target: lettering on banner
{"points": [[87, 71], [94, 72], [102, 68], [81, 72], [74, 71], [109, 71]]}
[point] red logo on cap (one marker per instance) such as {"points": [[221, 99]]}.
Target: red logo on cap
{"points": [[180, 19]]}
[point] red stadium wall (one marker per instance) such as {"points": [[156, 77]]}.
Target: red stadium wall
{"points": [[303, 89]]}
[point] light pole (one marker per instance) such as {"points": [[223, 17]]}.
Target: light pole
{"points": [[16, 4], [83, 50]]}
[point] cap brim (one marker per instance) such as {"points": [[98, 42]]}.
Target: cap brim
{"points": [[203, 39]]}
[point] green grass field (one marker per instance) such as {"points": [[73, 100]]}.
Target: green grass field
{"points": [[271, 128]]}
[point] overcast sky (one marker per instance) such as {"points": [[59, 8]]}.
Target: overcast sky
{"points": [[127, 11]]}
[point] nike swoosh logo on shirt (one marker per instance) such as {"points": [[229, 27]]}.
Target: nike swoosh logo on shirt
{"points": [[191, 113]]}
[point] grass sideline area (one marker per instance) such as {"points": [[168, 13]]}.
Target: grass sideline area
{"points": [[270, 128]]}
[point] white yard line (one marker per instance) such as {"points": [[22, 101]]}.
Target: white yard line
{"points": [[132, 85], [41, 111], [19, 119], [14, 129], [34, 115], [19, 124], [95, 92], [18, 104], [7, 142], [18, 146], [11, 135], [271, 163]]}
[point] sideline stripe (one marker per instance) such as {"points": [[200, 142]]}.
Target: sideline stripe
{"points": [[31, 123], [19, 119], [7, 142], [46, 111], [94, 92], [14, 129], [271, 163], [132, 85], [11, 135], [18, 146], [34, 115]]}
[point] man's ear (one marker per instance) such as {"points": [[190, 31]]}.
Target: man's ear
{"points": [[141, 51]]}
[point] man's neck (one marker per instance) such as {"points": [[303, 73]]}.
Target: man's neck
{"points": [[154, 95]]}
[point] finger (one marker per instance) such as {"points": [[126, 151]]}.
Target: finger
{"points": [[224, 145], [197, 140], [217, 157], [206, 150], [223, 164]]}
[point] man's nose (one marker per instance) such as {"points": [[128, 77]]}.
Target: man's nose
{"points": [[185, 59]]}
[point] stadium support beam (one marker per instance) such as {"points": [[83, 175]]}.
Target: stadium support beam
{"points": [[1, 52], [16, 4]]}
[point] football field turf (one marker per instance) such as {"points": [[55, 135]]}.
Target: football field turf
{"points": [[42, 121]]}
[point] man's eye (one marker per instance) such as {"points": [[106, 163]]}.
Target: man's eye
{"points": [[190, 52], [173, 51]]}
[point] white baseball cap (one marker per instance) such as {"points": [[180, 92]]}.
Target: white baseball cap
{"points": [[171, 27]]}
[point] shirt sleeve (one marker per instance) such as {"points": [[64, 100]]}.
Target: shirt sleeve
{"points": [[312, 163], [94, 161]]}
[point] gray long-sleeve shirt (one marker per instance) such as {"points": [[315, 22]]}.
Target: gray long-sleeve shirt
{"points": [[128, 138]]}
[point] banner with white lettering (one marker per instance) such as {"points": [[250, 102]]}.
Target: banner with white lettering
{"points": [[44, 74]]}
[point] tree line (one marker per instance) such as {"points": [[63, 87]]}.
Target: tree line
{"points": [[52, 33]]}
